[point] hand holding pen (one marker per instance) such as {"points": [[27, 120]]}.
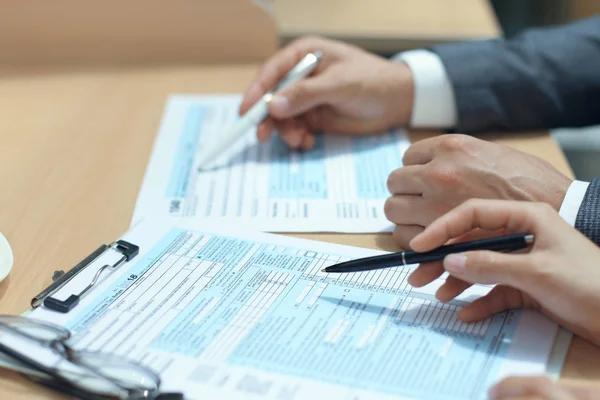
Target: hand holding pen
{"points": [[505, 244], [559, 276], [333, 98], [258, 112]]}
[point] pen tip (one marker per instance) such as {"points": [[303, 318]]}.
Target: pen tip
{"points": [[324, 270]]}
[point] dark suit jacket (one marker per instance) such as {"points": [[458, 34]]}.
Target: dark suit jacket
{"points": [[541, 79]]}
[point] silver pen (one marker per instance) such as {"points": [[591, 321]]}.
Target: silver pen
{"points": [[257, 113]]}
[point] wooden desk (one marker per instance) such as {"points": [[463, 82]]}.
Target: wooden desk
{"points": [[73, 149], [387, 26]]}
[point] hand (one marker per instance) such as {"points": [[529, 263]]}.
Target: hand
{"points": [[541, 388], [443, 172], [559, 276], [350, 92]]}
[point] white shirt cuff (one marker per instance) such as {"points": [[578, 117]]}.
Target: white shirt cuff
{"points": [[434, 105], [572, 202]]}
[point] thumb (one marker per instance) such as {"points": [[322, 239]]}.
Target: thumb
{"points": [[301, 96], [489, 267]]}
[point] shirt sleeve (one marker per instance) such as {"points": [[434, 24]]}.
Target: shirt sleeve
{"points": [[572, 202], [434, 104]]}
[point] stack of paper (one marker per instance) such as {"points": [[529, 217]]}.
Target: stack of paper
{"points": [[224, 313]]}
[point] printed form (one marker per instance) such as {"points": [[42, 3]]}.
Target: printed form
{"points": [[340, 186], [224, 314]]}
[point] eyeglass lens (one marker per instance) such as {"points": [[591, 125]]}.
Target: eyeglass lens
{"points": [[96, 372]]}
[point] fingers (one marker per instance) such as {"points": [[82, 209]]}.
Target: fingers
{"points": [[427, 273], [486, 214], [303, 95], [425, 150], [265, 129], [489, 267], [275, 69], [320, 118], [403, 234], [409, 210], [293, 132], [424, 274], [406, 180], [328, 119], [308, 142], [250, 97], [451, 289], [499, 299], [420, 152], [528, 388]]}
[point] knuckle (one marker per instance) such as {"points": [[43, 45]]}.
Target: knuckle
{"points": [[445, 175], [388, 208], [453, 142], [392, 179], [408, 154], [474, 265], [471, 203]]}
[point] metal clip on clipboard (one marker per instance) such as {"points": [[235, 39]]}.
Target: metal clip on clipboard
{"points": [[60, 278]]}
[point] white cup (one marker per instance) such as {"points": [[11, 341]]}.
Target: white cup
{"points": [[6, 257]]}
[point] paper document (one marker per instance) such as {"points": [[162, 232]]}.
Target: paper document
{"points": [[230, 314], [340, 186]]}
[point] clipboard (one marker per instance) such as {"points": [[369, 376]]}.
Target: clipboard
{"points": [[60, 278]]}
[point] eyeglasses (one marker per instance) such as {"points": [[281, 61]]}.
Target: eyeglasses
{"points": [[85, 374]]}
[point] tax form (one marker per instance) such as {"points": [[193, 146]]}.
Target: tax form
{"points": [[340, 186], [232, 314]]}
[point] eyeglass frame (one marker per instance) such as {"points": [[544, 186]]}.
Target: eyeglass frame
{"points": [[60, 347]]}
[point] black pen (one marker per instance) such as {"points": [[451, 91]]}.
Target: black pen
{"points": [[503, 244]]}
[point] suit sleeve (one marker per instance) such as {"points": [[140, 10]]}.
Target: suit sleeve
{"points": [[588, 216], [541, 79]]}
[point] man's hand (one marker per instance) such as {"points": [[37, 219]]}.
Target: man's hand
{"points": [[443, 172], [541, 388], [559, 276], [350, 92]]}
